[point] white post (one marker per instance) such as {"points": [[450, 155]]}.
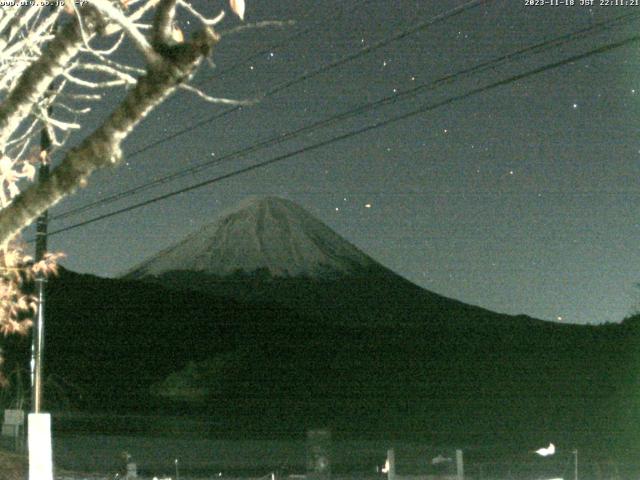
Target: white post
{"points": [[391, 459], [132, 471], [460, 464], [40, 455]]}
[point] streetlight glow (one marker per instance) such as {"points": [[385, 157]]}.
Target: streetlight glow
{"points": [[545, 452]]}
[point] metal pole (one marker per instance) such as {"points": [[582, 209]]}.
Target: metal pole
{"points": [[391, 458], [39, 424], [37, 340], [459, 465]]}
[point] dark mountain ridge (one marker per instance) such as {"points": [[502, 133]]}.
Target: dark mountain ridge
{"points": [[259, 367], [344, 343], [272, 250]]}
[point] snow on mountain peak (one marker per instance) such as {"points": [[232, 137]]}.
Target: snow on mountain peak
{"points": [[264, 234]]}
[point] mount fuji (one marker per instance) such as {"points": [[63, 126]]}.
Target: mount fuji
{"points": [[269, 235], [272, 250]]}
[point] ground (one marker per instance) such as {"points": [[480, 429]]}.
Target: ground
{"points": [[12, 466]]}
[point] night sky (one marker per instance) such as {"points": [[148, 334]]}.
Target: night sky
{"points": [[521, 198]]}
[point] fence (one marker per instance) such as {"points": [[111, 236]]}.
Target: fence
{"points": [[95, 443]]}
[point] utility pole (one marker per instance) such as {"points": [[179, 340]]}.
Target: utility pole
{"points": [[37, 340], [37, 336], [459, 464], [39, 424]]}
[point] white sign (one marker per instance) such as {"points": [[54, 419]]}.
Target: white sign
{"points": [[13, 417]]}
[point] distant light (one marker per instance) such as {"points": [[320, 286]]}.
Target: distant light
{"points": [[511, 172], [367, 205], [575, 105], [545, 452], [559, 318], [385, 469], [337, 209]]}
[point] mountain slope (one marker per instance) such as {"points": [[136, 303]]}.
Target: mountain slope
{"points": [[112, 339], [262, 369], [272, 250], [270, 234], [131, 346]]}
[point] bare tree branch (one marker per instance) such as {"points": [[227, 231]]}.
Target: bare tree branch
{"points": [[102, 148], [139, 40], [35, 53], [35, 80], [163, 22]]}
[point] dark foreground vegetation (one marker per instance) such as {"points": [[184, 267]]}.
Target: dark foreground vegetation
{"points": [[368, 358]]}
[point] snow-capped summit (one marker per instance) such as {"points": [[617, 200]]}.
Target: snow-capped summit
{"points": [[267, 234]]}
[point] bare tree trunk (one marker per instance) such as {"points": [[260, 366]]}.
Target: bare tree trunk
{"points": [[102, 148]]}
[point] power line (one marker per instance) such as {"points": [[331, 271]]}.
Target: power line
{"points": [[305, 76], [325, 68], [280, 138], [264, 51], [286, 42], [375, 126]]}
